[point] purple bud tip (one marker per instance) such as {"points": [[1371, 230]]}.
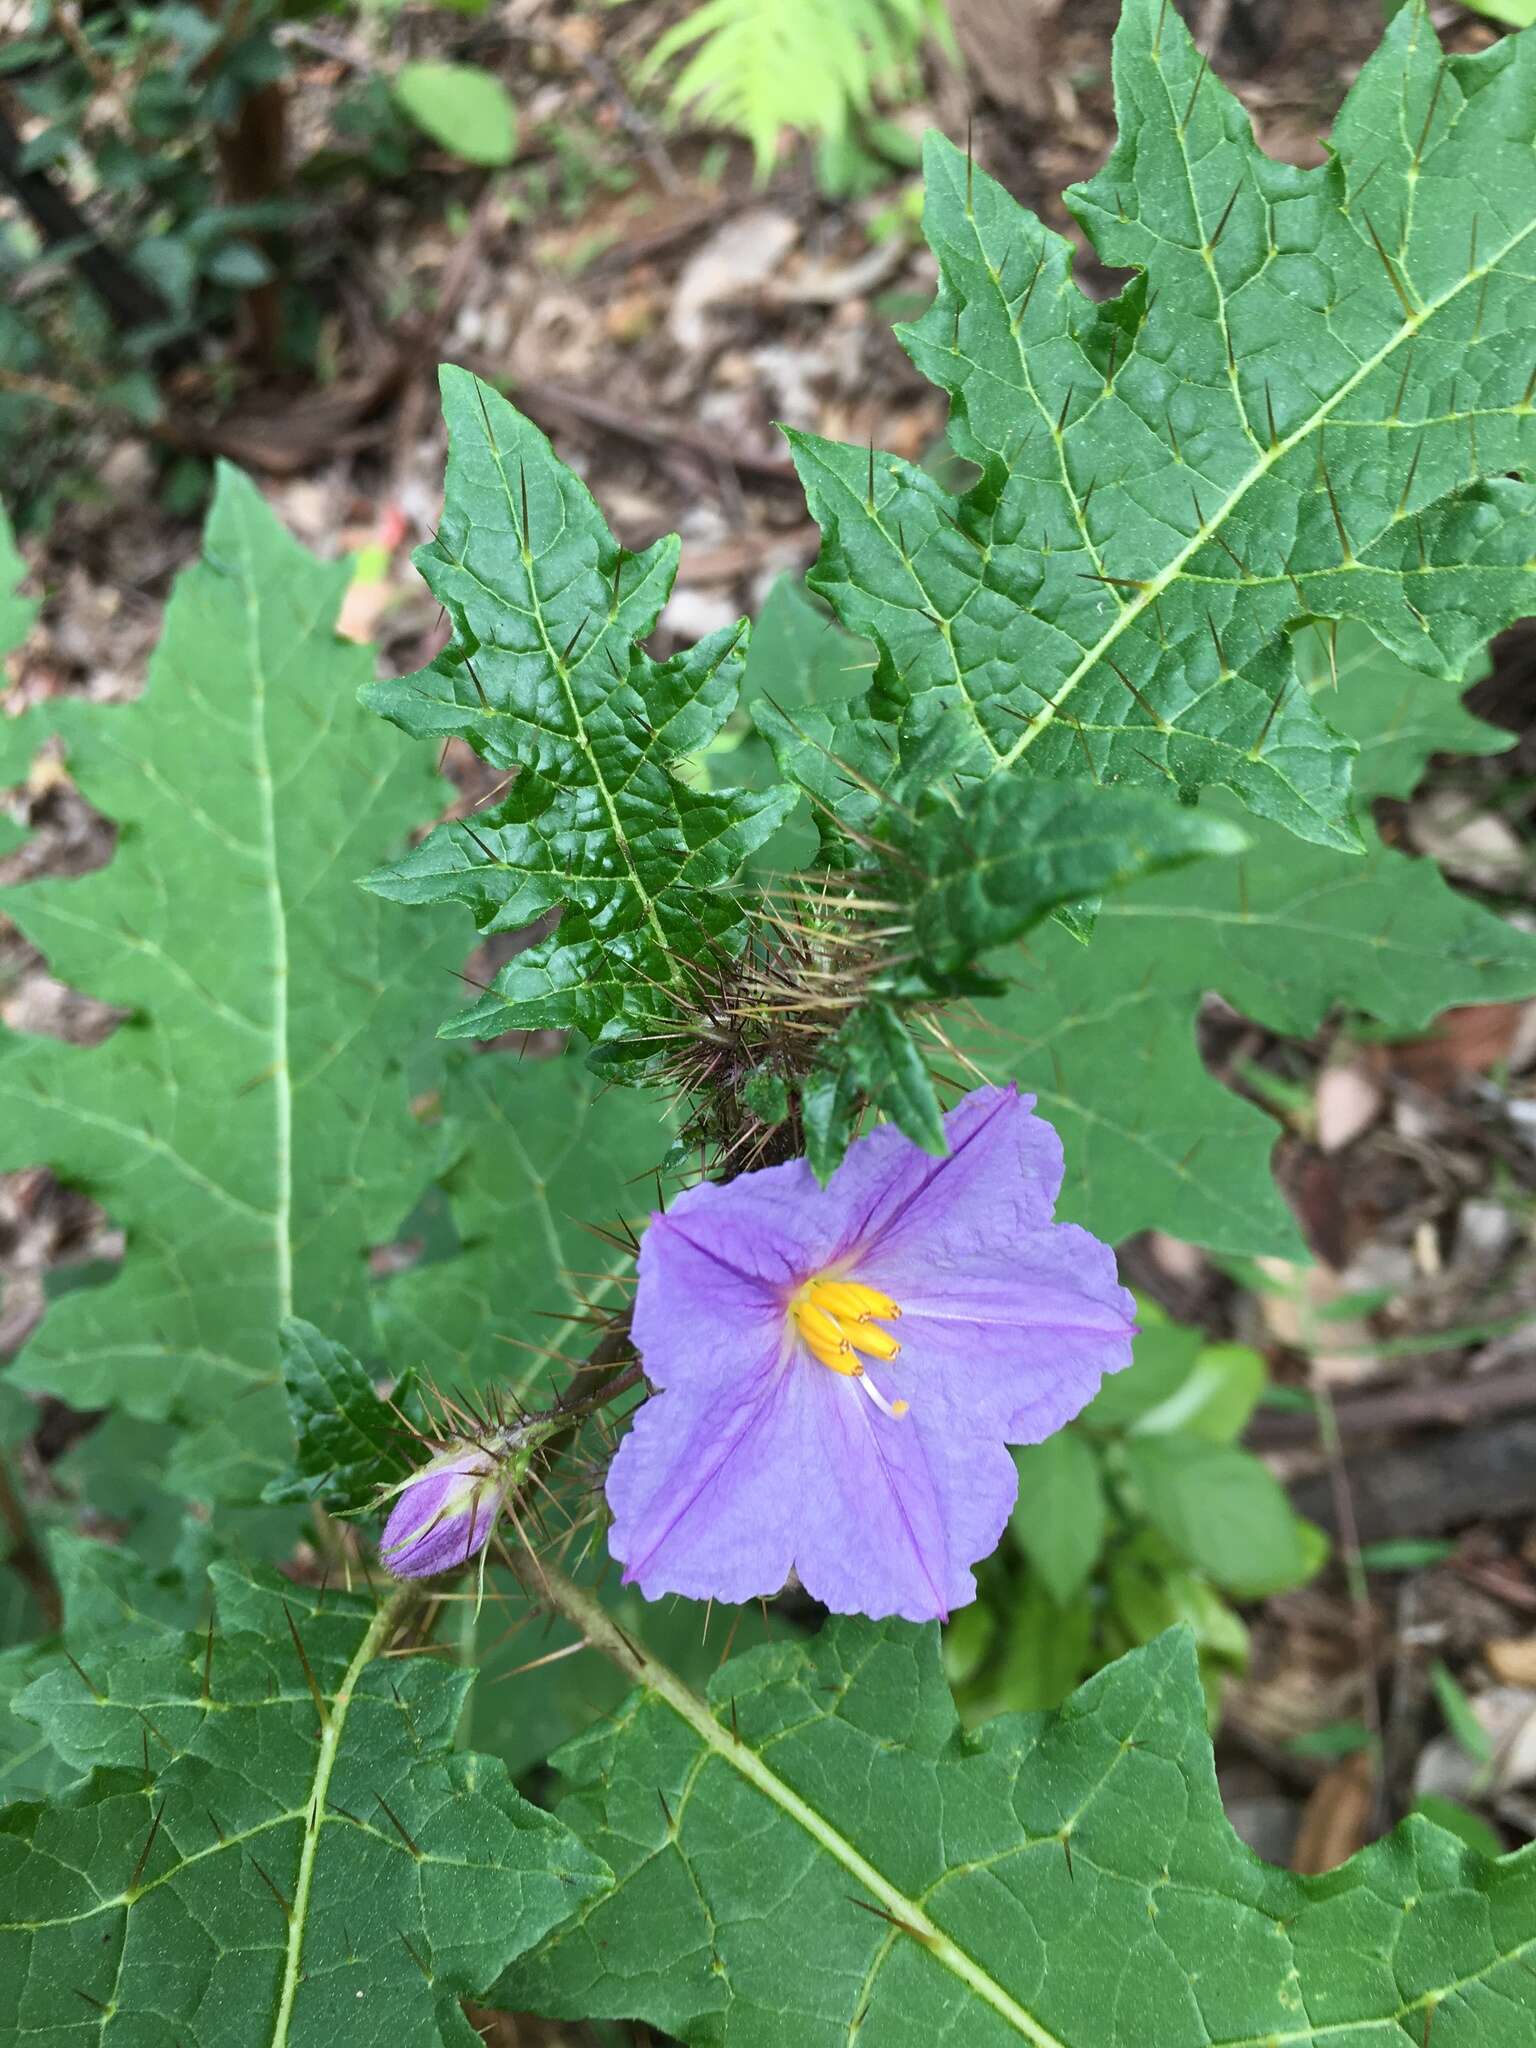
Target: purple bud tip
{"points": [[443, 1516]]}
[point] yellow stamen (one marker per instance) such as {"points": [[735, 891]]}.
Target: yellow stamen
{"points": [[825, 1336], [837, 1320], [872, 1340], [855, 1302]]}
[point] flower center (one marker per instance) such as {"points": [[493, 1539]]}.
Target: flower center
{"points": [[839, 1323]]}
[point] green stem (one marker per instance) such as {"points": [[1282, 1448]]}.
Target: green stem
{"points": [[469, 1619]]}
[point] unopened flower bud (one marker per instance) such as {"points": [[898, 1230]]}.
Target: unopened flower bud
{"points": [[445, 1515]]}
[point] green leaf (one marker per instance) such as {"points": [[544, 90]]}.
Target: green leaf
{"points": [[800, 665], [1338, 1739], [828, 1096], [884, 1060], [349, 1440], [998, 856], [800, 656], [1047, 1649], [28, 1767], [545, 677], [1460, 1821], [117, 1475], [306, 1856], [523, 1707], [1216, 1400], [248, 1124], [16, 613], [1060, 1516], [239, 265], [1459, 1716], [1162, 1358], [461, 107], [1515, 13], [537, 1154], [1285, 932], [968, 1637], [1219, 1508], [1276, 421], [108, 1592], [1406, 1554], [834, 1861], [1396, 717], [766, 1095]]}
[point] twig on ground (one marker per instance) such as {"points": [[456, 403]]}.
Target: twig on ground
{"points": [[543, 402], [26, 1558], [1363, 1415], [1364, 1614]]}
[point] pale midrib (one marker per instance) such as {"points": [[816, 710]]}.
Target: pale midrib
{"points": [[330, 1745], [1153, 589], [656, 1678], [563, 674], [277, 912]]}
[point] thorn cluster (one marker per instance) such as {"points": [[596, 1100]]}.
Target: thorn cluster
{"points": [[750, 1026]]}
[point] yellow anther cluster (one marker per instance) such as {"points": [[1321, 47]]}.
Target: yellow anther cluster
{"points": [[840, 1319]]}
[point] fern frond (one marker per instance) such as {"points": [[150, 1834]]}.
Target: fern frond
{"points": [[760, 66]]}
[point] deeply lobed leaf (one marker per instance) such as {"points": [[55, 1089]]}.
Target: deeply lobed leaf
{"points": [[1313, 401], [1001, 854], [350, 1440], [545, 677]]}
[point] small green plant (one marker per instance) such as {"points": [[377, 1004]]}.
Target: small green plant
{"points": [[1142, 1514], [146, 149], [160, 190]]}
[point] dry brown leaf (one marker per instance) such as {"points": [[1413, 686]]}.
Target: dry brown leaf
{"points": [[1337, 1818], [1470, 1040]]}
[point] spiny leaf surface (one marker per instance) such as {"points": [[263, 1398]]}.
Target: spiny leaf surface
{"points": [[107, 1592], [545, 678], [305, 1858], [815, 1854], [1313, 401], [247, 1125]]}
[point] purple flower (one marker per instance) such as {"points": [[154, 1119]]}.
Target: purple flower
{"points": [[841, 1368], [445, 1514]]}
